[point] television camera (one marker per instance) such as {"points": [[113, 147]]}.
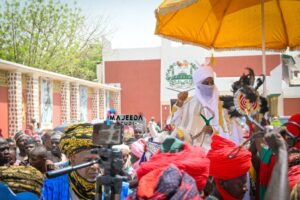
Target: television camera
{"points": [[108, 185]]}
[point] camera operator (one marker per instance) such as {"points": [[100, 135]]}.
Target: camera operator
{"points": [[75, 143]]}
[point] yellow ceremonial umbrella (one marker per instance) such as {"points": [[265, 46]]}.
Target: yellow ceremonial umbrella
{"points": [[232, 24]]}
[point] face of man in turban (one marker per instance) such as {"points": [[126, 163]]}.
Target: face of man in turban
{"points": [[208, 81], [206, 87], [89, 173], [236, 187]]}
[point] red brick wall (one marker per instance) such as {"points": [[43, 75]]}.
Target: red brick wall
{"points": [[4, 110], [291, 106], [140, 83], [56, 109], [234, 66]]}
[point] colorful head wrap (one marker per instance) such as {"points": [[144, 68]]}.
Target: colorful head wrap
{"points": [[225, 168], [18, 135], [138, 148], [76, 138], [294, 176], [22, 178], [294, 129]]}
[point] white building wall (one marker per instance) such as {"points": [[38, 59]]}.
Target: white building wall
{"points": [[171, 52]]}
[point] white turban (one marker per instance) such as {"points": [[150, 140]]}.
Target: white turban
{"points": [[211, 101], [122, 147], [202, 73]]}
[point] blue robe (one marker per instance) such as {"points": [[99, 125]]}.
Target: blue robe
{"points": [[58, 188]]}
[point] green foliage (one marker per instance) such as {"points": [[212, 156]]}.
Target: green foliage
{"points": [[49, 35]]}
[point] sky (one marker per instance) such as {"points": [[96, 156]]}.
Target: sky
{"points": [[132, 21]]}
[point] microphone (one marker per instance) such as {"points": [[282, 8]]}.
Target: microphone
{"points": [[59, 172]]}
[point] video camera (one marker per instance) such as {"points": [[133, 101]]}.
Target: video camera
{"points": [[107, 135], [104, 137], [111, 160]]}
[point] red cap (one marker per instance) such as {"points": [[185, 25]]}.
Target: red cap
{"points": [[223, 167]]}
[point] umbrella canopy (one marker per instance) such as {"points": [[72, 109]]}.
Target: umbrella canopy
{"points": [[231, 24]]}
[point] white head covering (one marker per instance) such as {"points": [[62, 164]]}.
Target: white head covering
{"points": [[207, 95], [122, 147]]}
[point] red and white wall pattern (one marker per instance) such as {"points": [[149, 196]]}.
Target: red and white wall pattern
{"points": [[116, 99], [75, 102], [14, 102], [65, 102], [95, 104], [18, 111], [101, 104], [32, 94]]}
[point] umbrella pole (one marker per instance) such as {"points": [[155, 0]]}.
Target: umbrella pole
{"points": [[263, 47]]}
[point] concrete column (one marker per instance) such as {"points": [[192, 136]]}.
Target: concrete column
{"points": [[96, 104], [32, 94], [75, 104], [116, 98], [14, 103], [65, 102], [102, 112]]}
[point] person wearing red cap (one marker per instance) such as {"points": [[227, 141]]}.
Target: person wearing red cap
{"points": [[270, 158], [293, 127], [229, 165]]}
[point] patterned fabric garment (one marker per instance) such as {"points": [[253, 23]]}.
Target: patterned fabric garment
{"points": [[76, 138], [171, 184], [82, 188], [22, 179]]}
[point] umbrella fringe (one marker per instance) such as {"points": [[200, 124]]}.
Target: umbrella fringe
{"points": [[226, 49], [183, 42], [296, 48], [174, 7]]}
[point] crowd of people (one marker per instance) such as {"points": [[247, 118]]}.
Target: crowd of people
{"points": [[203, 153]]}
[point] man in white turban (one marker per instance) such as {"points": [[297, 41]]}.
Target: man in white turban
{"points": [[186, 114]]}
